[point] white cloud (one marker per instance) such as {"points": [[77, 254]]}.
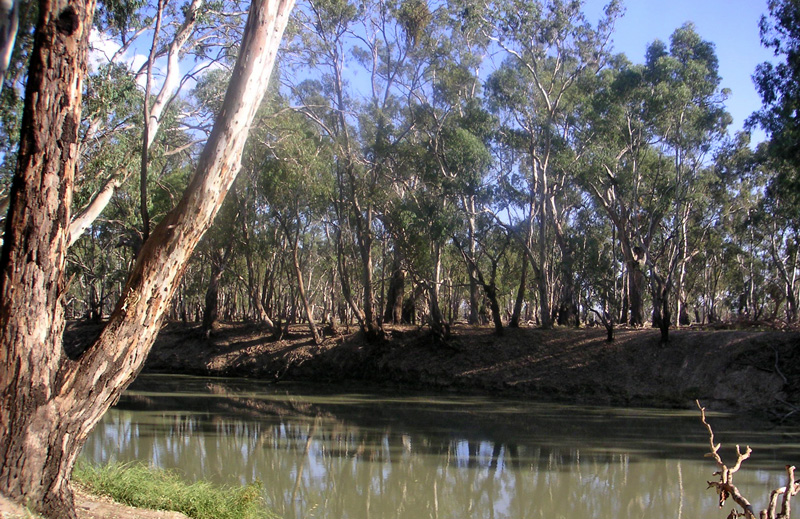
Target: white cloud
{"points": [[101, 48]]}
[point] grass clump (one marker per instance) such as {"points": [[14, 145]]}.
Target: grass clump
{"points": [[138, 485]]}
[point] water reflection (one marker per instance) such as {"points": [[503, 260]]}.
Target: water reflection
{"points": [[372, 455]]}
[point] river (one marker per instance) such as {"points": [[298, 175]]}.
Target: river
{"points": [[339, 453]]}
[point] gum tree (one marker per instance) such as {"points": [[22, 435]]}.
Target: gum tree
{"points": [[550, 48], [51, 400]]}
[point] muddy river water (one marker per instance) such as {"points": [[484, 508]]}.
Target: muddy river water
{"points": [[339, 453]]}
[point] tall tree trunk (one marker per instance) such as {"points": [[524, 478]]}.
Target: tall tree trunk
{"points": [[661, 313], [50, 402], [298, 273], [32, 266], [634, 260], [211, 313], [473, 283], [543, 282], [364, 238], [397, 284], [635, 294], [567, 308], [519, 301], [438, 326]]}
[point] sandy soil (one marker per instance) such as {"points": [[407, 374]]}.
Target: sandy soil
{"points": [[90, 507]]}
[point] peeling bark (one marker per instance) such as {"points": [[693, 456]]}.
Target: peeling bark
{"points": [[51, 402]]}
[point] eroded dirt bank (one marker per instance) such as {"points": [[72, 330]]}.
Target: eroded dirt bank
{"points": [[729, 370]]}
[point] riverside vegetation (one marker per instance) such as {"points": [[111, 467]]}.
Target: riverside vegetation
{"points": [[104, 492], [393, 176]]}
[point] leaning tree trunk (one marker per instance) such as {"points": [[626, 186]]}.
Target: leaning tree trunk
{"points": [[298, 274], [51, 402]]}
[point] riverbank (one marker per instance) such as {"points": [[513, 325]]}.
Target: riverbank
{"points": [[137, 491], [728, 370], [90, 506]]}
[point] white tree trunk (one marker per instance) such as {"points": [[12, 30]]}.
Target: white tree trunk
{"points": [[50, 402]]}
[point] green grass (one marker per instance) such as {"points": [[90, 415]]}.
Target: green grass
{"points": [[141, 486]]}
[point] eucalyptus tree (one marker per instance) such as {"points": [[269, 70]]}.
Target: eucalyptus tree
{"points": [[297, 180], [50, 401], [775, 222], [448, 163], [690, 121], [659, 122], [363, 119], [736, 253], [195, 30], [779, 83], [550, 49]]}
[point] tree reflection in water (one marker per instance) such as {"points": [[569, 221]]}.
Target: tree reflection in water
{"points": [[358, 455]]}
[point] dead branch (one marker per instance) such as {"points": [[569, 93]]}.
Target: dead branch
{"points": [[726, 489]]}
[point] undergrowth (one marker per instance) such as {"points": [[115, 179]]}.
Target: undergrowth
{"points": [[141, 486]]}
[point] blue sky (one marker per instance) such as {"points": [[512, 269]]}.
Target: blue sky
{"points": [[732, 25]]}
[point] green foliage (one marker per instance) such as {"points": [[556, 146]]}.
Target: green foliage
{"points": [[414, 17], [387, 132], [779, 84], [118, 16], [137, 485]]}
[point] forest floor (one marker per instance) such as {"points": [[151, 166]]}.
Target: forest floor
{"points": [[741, 370]]}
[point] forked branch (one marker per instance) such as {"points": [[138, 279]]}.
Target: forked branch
{"points": [[726, 489]]}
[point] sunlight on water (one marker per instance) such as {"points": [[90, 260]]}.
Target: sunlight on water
{"points": [[354, 454]]}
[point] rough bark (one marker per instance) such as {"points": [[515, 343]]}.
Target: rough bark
{"points": [[33, 262], [51, 402]]}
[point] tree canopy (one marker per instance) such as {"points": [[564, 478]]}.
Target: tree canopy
{"points": [[395, 174]]}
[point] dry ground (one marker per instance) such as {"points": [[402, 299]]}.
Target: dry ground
{"points": [[740, 370], [91, 507]]}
